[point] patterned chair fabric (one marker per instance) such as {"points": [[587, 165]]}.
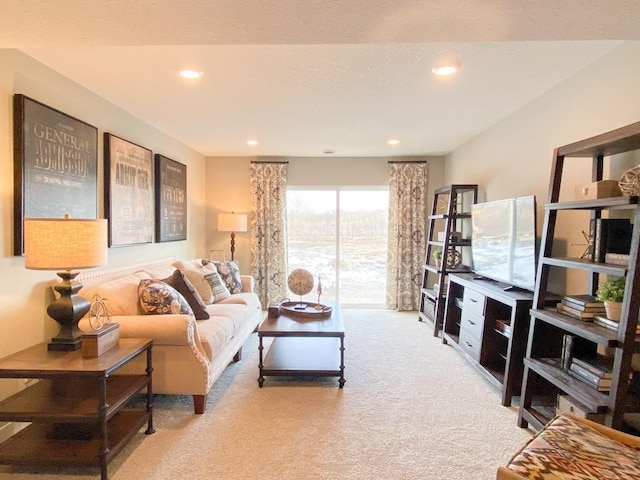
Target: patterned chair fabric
{"points": [[568, 448]]}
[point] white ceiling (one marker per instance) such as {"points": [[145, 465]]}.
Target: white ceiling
{"points": [[305, 76]]}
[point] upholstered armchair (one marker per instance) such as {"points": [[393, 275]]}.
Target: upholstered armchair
{"points": [[573, 448]]}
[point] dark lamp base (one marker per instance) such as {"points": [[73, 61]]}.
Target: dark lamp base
{"points": [[64, 345], [67, 311]]}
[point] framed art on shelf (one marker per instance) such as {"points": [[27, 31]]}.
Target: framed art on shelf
{"points": [[55, 165], [128, 178], [171, 199]]}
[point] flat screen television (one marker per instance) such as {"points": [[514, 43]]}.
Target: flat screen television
{"points": [[503, 241]]}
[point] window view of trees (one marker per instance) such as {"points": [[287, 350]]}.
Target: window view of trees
{"points": [[341, 237]]}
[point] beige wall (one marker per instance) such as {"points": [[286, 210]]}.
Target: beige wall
{"points": [[228, 187], [514, 157], [24, 294]]}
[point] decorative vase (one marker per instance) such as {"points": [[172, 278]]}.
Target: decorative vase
{"points": [[613, 310], [437, 262]]}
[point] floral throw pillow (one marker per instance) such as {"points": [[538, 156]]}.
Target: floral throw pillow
{"points": [[158, 298], [229, 272]]}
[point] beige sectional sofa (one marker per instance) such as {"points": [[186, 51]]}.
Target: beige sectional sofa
{"points": [[188, 354]]}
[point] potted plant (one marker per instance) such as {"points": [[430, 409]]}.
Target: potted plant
{"points": [[437, 257], [611, 293]]}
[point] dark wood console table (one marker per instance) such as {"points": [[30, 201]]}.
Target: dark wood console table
{"points": [[76, 409], [489, 325]]}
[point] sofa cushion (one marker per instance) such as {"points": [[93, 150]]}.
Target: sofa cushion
{"points": [[160, 271], [158, 298], [236, 312], [119, 295], [215, 333], [229, 272], [249, 299], [178, 281]]}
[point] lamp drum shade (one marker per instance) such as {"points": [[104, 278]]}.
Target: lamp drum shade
{"points": [[232, 222], [65, 243]]}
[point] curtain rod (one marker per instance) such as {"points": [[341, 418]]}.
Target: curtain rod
{"points": [[257, 161], [407, 161]]}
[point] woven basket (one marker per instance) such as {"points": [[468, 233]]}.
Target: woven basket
{"points": [[629, 182]]}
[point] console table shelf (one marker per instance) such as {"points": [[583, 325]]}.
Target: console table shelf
{"points": [[77, 408]]}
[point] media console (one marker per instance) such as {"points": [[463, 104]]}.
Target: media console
{"points": [[488, 323]]}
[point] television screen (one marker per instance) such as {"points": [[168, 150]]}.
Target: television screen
{"points": [[503, 241]]}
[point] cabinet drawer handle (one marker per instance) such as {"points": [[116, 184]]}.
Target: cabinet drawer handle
{"points": [[473, 300], [468, 344], [472, 323]]}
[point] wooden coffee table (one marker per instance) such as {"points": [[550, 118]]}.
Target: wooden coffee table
{"points": [[303, 346]]}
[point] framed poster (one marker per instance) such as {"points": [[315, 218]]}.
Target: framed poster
{"points": [[128, 178], [171, 200], [55, 165]]}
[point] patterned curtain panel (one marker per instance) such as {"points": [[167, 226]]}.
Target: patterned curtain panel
{"points": [[268, 254], [407, 204]]}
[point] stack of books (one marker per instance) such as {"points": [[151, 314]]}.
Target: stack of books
{"points": [[603, 321], [584, 307], [596, 372]]}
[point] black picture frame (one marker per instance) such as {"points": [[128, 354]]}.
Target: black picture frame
{"points": [[55, 163], [171, 199], [129, 191]]}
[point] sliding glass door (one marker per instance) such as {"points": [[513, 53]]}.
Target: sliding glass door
{"points": [[340, 235]]}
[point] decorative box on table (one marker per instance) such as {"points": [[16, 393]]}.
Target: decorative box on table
{"points": [[601, 189], [96, 342]]}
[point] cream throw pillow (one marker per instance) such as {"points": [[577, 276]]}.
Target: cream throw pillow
{"points": [[207, 282]]}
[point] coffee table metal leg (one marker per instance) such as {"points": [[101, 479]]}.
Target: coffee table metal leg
{"points": [[342, 379], [260, 364]]}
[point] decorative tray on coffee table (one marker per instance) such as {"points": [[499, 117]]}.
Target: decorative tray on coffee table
{"points": [[307, 309]]}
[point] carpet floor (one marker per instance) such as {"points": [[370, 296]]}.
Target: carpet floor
{"points": [[412, 408]]}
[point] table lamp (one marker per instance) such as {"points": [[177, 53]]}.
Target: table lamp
{"points": [[65, 244], [232, 222]]}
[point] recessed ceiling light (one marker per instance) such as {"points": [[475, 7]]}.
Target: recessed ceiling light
{"points": [[252, 143], [446, 68], [393, 142], [190, 74]]}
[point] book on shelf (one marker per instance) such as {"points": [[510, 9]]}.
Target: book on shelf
{"points": [[503, 326], [610, 235], [583, 308], [594, 381], [584, 300], [617, 258], [600, 366], [574, 312], [612, 324], [567, 351]]}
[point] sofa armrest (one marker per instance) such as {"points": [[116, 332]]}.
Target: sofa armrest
{"points": [[162, 329], [248, 283]]}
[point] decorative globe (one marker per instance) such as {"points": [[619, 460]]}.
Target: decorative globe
{"points": [[300, 281]]}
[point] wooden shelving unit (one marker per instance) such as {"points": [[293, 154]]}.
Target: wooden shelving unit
{"points": [[450, 215], [544, 376]]}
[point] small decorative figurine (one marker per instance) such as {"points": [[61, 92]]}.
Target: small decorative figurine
{"points": [[98, 314]]}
